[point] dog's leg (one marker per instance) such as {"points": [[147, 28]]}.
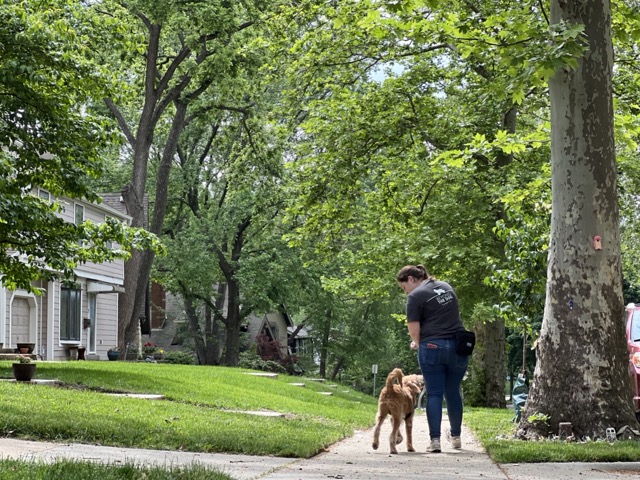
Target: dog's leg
{"points": [[395, 426], [408, 422], [376, 433]]}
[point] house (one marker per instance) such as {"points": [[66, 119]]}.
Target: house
{"points": [[276, 328], [67, 317], [272, 328]]}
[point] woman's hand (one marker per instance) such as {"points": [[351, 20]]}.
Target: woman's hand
{"points": [[414, 345]]}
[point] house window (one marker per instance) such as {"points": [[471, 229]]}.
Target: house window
{"points": [[43, 194], [108, 244], [79, 218], [70, 313]]}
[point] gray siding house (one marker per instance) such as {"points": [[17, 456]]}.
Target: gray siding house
{"points": [[68, 317]]}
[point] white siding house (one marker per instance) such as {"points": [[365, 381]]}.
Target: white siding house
{"points": [[67, 317]]}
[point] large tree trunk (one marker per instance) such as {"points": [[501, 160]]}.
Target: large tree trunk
{"points": [[493, 363], [232, 324], [138, 266], [580, 375]]}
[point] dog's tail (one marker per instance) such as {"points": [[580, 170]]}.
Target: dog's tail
{"points": [[394, 377]]}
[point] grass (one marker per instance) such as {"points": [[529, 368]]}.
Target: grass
{"points": [[204, 411], [495, 430], [72, 470]]}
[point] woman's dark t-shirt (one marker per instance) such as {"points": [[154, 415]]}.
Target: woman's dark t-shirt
{"points": [[435, 305]]}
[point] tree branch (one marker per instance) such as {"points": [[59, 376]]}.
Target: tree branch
{"points": [[121, 122]]}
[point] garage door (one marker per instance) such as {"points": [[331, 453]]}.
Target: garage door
{"points": [[20, 320]]}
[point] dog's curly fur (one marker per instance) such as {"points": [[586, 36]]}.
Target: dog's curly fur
{"points": [[397, 399], [418, 381]]}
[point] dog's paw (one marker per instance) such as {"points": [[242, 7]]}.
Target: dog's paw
{"points": [[374, 446], [399, 439], [411, 449], [394, 451]]}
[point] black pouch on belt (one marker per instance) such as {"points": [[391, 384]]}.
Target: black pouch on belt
{"points": [[465, 341]]}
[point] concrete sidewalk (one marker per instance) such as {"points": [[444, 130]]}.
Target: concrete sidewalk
{"points": [[352, 458]]}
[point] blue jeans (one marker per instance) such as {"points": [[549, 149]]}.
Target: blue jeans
{"points": [[443, 370]]}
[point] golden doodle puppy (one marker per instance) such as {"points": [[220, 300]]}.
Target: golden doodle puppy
{"points": [[397, 400]]}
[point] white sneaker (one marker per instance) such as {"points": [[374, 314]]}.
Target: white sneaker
{"points": [[435, 446], [454, 441]]}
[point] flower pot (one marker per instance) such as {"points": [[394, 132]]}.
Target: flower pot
{"points": [[111, 355], [24, 372], [25, 347]]}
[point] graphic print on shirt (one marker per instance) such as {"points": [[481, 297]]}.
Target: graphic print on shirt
{"points": [[443, 297]]}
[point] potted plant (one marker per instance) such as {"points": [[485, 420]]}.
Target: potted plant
{"points": [[25, 347], [24, 369], [149, 349], [131, 353], [113, 353], [159, 354]]}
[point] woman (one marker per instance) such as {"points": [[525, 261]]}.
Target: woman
{"points": [[433, 319]]}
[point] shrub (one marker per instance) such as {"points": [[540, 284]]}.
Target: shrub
{"points": [[250, 359], [182, 358]]}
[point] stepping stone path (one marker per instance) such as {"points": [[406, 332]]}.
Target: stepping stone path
{"points": [[147, 396], [261, 413]]}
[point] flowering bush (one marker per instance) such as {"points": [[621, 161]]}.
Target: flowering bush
{"points": [[149, 348]]}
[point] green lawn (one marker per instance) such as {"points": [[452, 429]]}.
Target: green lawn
{"points": [[495, 430], [205, 409], [73, 470]]}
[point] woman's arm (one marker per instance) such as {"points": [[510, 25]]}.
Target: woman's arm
{"points": [[414, 332]]}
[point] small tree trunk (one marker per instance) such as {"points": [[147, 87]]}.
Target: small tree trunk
{"points": [[324, 346], [194, 328], [580, 376]]}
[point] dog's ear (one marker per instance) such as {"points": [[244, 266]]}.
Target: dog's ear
{"points": [[414, 387]]}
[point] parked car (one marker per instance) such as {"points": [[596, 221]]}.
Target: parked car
{"points": [[633, 347]]}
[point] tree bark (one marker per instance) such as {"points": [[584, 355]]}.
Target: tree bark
{"points": [[324, 345], [194, 328], [580, 376], [337, 367], [232, 324], [493, 364]]}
